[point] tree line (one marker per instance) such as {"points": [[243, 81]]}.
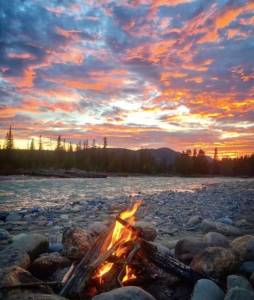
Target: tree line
{"points": [[93, 158]]}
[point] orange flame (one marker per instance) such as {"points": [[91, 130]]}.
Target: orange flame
{"points": [[129, 274], [120, 234]]}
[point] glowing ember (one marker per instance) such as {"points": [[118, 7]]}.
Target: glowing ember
{"points": [[120, 234]]}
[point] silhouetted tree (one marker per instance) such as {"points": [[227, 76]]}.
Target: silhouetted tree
{"points": [[32, 148], [105, 143], [9, 140], [59, 143], [40, 144]]}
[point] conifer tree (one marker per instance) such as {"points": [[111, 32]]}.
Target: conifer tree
{"points": [[40, 144], [9, 140]]}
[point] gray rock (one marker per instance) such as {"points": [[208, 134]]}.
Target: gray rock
{"points": [[4, 235], [244, 246], [239, 294], [34, 244], [97, 228], [11, 256], [238, 281], [194, 220], [16, 275], [13, 216], [147, 230], [48, 263], [226, 220], [76, 242], [247, 267], [209, 225], [215, 239], [207, 290], [186, 249], [125, 293], [215, 261]]}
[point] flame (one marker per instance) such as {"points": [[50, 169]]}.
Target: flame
{"points": [[129, 274], [120, 234]]}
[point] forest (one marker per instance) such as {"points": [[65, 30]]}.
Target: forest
{"points": [[117, 160]]}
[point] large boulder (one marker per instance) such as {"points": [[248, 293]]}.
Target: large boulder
{"points": [[209, 225], [125, 293], [33, 243], [238, 293], [11, 256], [76, 242], [48, 263], [16, 276], [207, 290], [97, 228], [238, 281], [215, 261], [147, 230], [215, 239], [244, 246], [186, 249]]}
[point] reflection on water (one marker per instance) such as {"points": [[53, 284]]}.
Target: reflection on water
{"points": [[21, 191]]}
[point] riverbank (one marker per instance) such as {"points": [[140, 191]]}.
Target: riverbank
{"points": [[188, 223], [210, 227]]}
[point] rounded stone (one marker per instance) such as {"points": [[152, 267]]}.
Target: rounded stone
{"points": [[238, 281], [47, 264], [244, 246], [186, 249], [207, 290], [125, 293], [238, 293], [147, 231], [215, 239], [11, 256], [33, 243], [215, 261], [76, 242]]}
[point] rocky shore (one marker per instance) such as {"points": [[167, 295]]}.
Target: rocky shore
{"points": [[211, 229]]}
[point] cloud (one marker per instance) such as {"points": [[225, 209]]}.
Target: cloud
{"points": [[145, 72]]}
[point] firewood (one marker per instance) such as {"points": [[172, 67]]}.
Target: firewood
{"points": [[165, 260]]}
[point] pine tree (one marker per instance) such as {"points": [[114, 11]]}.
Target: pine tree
{"points": [[105, 143], [59, 143], [40, 144], [32, 148], [94, 144], [9, 140], [215, 156], [70, 147]]}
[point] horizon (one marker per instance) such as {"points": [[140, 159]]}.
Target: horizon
{"points": [[143, 73]]}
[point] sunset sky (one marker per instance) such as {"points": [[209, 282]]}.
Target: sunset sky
{"points": [[144, 73]]}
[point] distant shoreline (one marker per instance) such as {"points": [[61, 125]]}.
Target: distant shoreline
{"points": [[76, 173]]}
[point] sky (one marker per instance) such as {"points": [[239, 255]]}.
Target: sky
{"points": [[144, 73]]}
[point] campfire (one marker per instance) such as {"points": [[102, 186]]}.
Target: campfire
{"points": [[122, 256]]}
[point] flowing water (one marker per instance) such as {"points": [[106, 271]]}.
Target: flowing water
{"points": [[23, 192]]}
